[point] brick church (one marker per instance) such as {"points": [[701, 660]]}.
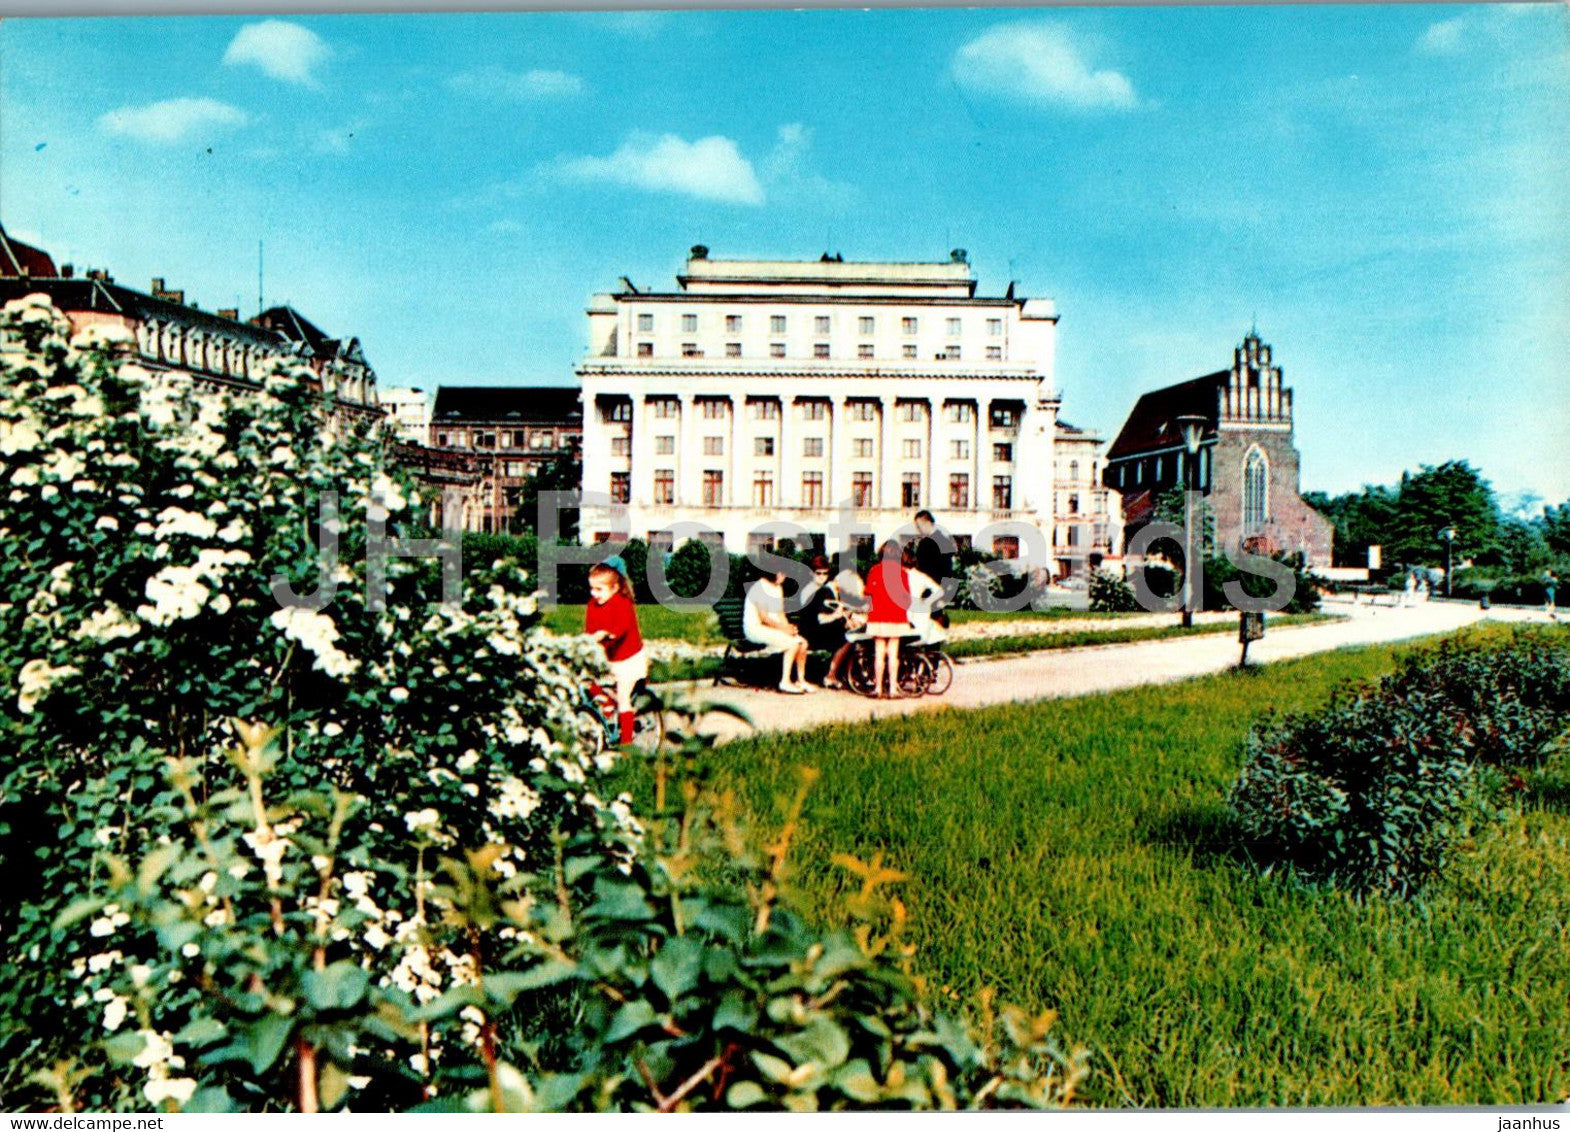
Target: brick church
{"points": [[1247, 464]]}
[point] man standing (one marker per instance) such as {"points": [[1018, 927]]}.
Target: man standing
{"points": [[934, 558]]}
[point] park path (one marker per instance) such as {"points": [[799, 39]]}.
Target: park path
{"points": [[1095, 668]]}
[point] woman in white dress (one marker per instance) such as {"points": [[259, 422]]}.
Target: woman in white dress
{"points": [[764, 623]]}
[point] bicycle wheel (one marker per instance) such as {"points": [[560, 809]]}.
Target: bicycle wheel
{"points": [[915, 672], [859, 670], [593, 727], [942, 672], [648, 722]]}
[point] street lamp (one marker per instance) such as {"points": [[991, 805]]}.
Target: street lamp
{"points": [[1449, 535], [1192, 426]]}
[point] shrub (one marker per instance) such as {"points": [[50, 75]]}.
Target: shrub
{"points": [[1219, 570], [1109, 593]]}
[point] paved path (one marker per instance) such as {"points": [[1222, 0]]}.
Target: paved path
{"points": [[1094, 668]]}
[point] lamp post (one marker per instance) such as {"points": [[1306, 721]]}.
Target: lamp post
{"points": [[1448, 534], [1192, 426]]}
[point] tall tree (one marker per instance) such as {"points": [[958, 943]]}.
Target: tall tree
{"points": [[1452, 494]]}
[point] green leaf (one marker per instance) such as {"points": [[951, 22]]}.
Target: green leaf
{"points": [[201, 1031], [632, 1017], [77, 911], [508, 985], [735, 1013], [266, 1041], [341, 986], [856, 1081], [209, 1100], [677, 966], [332, 1085], [774, 1068], [122, 1048], [745, 1094], [615, 900]]}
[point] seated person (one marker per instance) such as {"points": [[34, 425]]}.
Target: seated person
{"points": [[825, 619], [764, 623]]}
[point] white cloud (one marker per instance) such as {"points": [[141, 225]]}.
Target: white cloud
{"points": [[1041, 62], [789, 177], [516, 86], [284, 51], [1443, 38], [172, 120], [710, 168]]}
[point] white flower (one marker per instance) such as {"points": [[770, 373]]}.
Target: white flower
{"points": [[156, 1049], [178, 521], [107, 624], [317, 633], [35, 680], [18, 437], [177, 1089], [422, 819], [398, 695], [114, 1013], [177, 593], [107, 523], [468, 760], [515, 800]]}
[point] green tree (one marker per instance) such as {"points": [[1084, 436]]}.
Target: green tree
{"points": [[1452, 494], [560, 473]]}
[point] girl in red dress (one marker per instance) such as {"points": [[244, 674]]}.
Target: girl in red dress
{"points": [[612, 619], [888, 591]]}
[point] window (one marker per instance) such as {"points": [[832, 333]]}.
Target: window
{"points": [[733, 324], [621, 487], [1002, 492], [621, 446], [515, 439], [1256, 489], [758, 543], [949, 354], [664, 445], [959, 492], [689, 323], [765, 409], [910, 490], [908, 350], [812, 489], [664, 408], [733, 349], [690, 350], [620, 411], [994, 327], [866, 324], [713, 488], [910, 449], [540, 440], [1006, 546], [864, 350], [820, 324], [714, 408], [645, 349], [664, 486], [820, 349], [776, 324], [861, 489], [776, 349], [812, 446], [441, 440], [661, 542], [959, 449], [907, 326], [994, 353], [1073, 504], [960, 411], [763, 489], [714, 446], [864, 410], [911, 411], [763, 446], [1073, 469], [953, 328], [814, 410], [1003, 453], [488, 439], [646, 323], [1003, 417], [1160, 467], [861, 448]]}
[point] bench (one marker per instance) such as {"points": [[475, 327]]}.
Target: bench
{"points": [[741, 655]]}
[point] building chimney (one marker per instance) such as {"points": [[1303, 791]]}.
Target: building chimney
{"points": [[699, 251], [158, 285], [231, 313], [67, 271]]}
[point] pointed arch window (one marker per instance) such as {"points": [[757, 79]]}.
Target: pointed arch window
{"points": [[1256, 491]]}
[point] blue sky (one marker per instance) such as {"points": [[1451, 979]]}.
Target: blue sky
{"points": [[1385, 189]]}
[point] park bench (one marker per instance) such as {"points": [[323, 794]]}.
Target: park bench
{"points": [[741, 663]]}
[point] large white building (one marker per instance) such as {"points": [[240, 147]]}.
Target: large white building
{"points": [[760, 391]]}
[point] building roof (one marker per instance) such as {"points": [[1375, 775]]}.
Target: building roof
{"points": [[1151, 425], [17, 258], [540, 404], [111, 298], [294, 326]]}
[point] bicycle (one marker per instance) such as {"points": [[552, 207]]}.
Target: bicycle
{"points": [[916, 672], [597, 708]]}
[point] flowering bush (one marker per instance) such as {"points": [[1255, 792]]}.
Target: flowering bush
{"points": [[397, 887]]}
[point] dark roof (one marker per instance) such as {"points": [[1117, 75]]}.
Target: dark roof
{"points": [[294, 326], [542, 404], [97, 295], [1150, 425], [17, 258]]}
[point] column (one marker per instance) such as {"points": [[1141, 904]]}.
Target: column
{"points": [[839, 451], [687, 455], [929, 488], [736, 494], [886, 493], [787, 492], [641, 476]]}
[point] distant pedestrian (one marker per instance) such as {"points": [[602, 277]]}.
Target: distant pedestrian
{"points": [[1550, 588], [1410, 594]]}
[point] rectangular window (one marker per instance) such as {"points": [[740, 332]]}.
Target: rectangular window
{"points": [[862, 448], [764, 408], [994, 327], [689, 323], [1006, 546], [820, 349], [776, 349], [866, 324], [665, 446], [488, 439], [812, 446], [907, 326], [994, 353], [1002, 492], [911, 411], [1073, 505], [690, 350], [646, 323], [733, 324], [713, 488], [864, 350], [763, 446], [714, 446], [864, 410], [861, 489], [776, 324], [540, 440], [814, 410], [1004, 417], [820, 324], [908, 350], [733, 349], [621, 411], [910, 449], [661, 542], [759, 542], [812, 489], [441, 440], [664, 407], [621, 446], [664, 486], [645, 349], [714, 408], [910, 490], [763, 490], [959, 449], [1003, 453], [953, 328], [959, 492], [960, 412], [621, 487]]}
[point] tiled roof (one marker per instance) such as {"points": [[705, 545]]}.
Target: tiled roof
{"points": [[17, 258], [96, 295], [1151, 424], [544, 404]]}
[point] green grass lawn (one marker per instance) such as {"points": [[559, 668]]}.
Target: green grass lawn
{"points": [[1074, 855], [655, 622]]}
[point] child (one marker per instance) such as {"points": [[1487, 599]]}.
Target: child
{"points": [[612, 619]]}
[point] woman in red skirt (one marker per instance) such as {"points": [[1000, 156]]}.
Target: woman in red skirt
{"points": [[888, 591]]}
